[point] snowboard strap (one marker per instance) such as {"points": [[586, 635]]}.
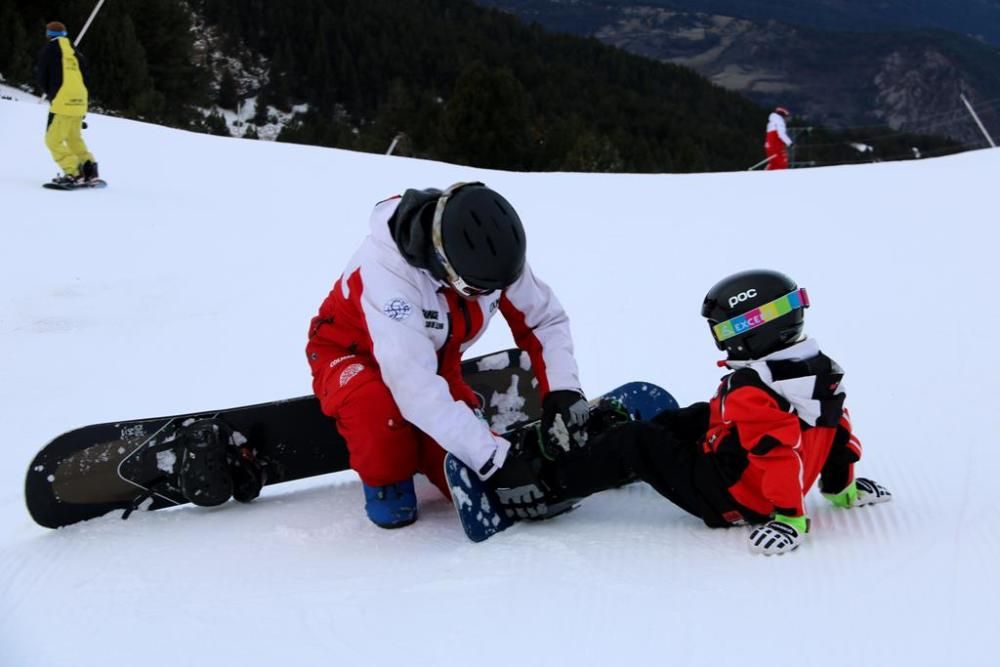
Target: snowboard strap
{"points": [[146, 494], [204, 476]]}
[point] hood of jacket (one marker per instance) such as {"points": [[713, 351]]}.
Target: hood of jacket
{"points": [[805, 377], [410, 229]]}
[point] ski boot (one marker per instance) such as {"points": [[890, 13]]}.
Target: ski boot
{"points": [[392, 505]]}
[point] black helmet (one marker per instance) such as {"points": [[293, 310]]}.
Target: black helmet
{"points": [[754, 313], [477, 238]]}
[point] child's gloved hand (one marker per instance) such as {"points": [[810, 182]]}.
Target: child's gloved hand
{"points": [[871, 492], [859, 493], [846, 498], [779, 535]]}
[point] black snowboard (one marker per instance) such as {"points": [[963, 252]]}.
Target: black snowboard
{"points": [[95, 184], [133, 464]]}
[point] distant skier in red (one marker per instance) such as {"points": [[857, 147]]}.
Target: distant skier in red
{"points": [[777, 141]]}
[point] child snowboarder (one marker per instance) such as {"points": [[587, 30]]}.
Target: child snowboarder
{"points": [[776, 424]]}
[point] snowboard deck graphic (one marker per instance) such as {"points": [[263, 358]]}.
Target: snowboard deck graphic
{"points": [[96, 469], [477, 505], [95, 184]]}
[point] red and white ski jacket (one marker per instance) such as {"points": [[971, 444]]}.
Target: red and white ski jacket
{"points": [[777, 139], [415, 329], [773, 424]]}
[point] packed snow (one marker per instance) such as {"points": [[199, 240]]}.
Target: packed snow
{"points": [[188, 285]]}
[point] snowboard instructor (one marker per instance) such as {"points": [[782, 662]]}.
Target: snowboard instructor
{"points": [[385, 348], [61, 76]]}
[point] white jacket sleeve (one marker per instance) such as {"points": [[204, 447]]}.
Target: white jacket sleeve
{"points": [[541, 328], [408, 362]]}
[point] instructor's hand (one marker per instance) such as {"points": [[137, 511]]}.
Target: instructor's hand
{"points": [[564, 422]]}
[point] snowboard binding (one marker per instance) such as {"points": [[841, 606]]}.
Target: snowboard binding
{"points": [[204, 462], [605, 413], [204, 468], [214, 468]]}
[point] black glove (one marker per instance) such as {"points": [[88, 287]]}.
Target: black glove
{"points": [[564, 422], [518, 489]]}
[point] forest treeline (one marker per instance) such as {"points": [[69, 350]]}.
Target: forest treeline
{"points": [[454, 81]]}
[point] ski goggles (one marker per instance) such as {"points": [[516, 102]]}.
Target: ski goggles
{"points": [[761, 315], [55, 33], [437, 240]]}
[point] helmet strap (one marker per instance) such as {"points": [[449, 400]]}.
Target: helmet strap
{"points": [[437, 241]]}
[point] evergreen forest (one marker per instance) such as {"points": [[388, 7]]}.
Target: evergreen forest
{"points": [[447, 79]]}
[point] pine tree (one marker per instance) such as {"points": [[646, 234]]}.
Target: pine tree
{"points": [[488, 120], [15, 63], [228, 97]]}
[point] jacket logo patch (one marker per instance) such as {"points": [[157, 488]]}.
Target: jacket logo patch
{"points": [[349, 373], [431, 319], [397, 309], [340, 359]]}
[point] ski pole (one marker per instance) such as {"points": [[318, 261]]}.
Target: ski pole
{"points": [[76, 42], [975, 117], [762, 162], [86, 26]]}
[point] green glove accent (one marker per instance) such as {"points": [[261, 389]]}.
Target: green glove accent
{"points": [[799, 523], [846, 498]]}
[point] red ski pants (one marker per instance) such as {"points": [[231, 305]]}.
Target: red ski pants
{"points": [[384, 448], [779, 160]]}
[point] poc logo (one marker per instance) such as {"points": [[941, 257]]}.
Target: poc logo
{"points": [[742, 296]]}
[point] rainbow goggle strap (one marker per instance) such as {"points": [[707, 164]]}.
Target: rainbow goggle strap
{"points": [[761, 315]]}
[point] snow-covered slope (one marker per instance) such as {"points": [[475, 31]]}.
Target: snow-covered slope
{"points": [[189, 283]]}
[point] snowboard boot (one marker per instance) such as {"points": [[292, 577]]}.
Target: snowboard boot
{"points": [[89, 171], [392, 505], [205, 477]]}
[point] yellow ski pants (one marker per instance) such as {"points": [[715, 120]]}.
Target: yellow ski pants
{"points": [[65, 142]]}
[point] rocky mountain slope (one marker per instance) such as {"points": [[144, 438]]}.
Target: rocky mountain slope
{"points": [[909, 80]]}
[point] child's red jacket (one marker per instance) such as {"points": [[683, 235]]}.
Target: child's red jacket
{"points": [[776, 425]]}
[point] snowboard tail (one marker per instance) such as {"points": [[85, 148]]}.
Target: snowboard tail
{"points": [[478, 507], [96, 469]]}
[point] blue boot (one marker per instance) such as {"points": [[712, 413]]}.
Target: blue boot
{"points": [[392, 505]]}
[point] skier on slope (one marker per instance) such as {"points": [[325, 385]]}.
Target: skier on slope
{"points": [[386, 346], [777, 141], [61, 76], [776, 423]]}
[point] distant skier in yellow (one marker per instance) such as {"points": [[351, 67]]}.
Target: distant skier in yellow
{"points": [[62, 78]]}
